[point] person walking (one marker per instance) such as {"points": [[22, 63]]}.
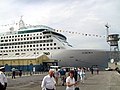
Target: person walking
{"points": [[70, 81], [82, 75], [97, 69], [75, 74], [56, 75], [13, 73], [48, 82], [3, 79], [63, 76]]}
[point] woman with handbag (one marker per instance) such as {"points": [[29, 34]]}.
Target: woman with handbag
{"points": [[70, 81]]}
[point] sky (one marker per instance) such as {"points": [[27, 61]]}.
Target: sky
{"points": [[82, 16]]}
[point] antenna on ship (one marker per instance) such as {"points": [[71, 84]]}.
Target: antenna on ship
{"points": [[107, 29], [21, 23]]}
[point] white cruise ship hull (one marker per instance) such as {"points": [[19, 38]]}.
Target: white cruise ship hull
{"points": [[80, 58]]}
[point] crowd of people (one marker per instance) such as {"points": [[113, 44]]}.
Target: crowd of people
{"points": [[70, 79]]}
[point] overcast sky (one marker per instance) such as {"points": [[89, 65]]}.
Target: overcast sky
{"points": [[84, 16]]}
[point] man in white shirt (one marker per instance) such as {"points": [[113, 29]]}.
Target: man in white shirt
{"points": [[48, 82], [3, 79]]}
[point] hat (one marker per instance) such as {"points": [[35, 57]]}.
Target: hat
{"points": [[2, 68]]}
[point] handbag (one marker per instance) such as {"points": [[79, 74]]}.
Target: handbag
{"points": [[77, 88]]}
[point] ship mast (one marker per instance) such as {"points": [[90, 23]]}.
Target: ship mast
{"points": [[21, 23]]}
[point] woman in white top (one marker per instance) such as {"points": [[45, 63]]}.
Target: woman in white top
{"points": [[82, 75], [70, 81]]}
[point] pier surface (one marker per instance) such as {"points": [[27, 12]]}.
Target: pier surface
{"points": [[105, 80]]}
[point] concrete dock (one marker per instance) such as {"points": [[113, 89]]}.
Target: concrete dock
{"points": [[105, 80]]}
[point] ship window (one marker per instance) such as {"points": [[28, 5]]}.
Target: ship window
{"points": [[22, 53], [24, 38], [44, 48], [47, 48], [37, 45], [37, 37], [30, 38], [2, 40], [27, 34], [54, 47], [27, 49], [33, 45], [40, 37], [30, 49], [15, 36], [6, 47], [54, 44], [47, 44], [40, 44], [51, 48], [51, 40], [43, 36], [44, 40], [51, 44], [43, 44], [30, 45], [18, 35], [9, 36], [58, 47], [33, 37], [40, 48], [17, 54], [47, 36]]}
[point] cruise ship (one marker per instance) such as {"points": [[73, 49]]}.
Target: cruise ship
{"points": [[41, 46]]}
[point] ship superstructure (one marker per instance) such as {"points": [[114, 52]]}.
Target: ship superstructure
{"points": [[30, 41]]}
